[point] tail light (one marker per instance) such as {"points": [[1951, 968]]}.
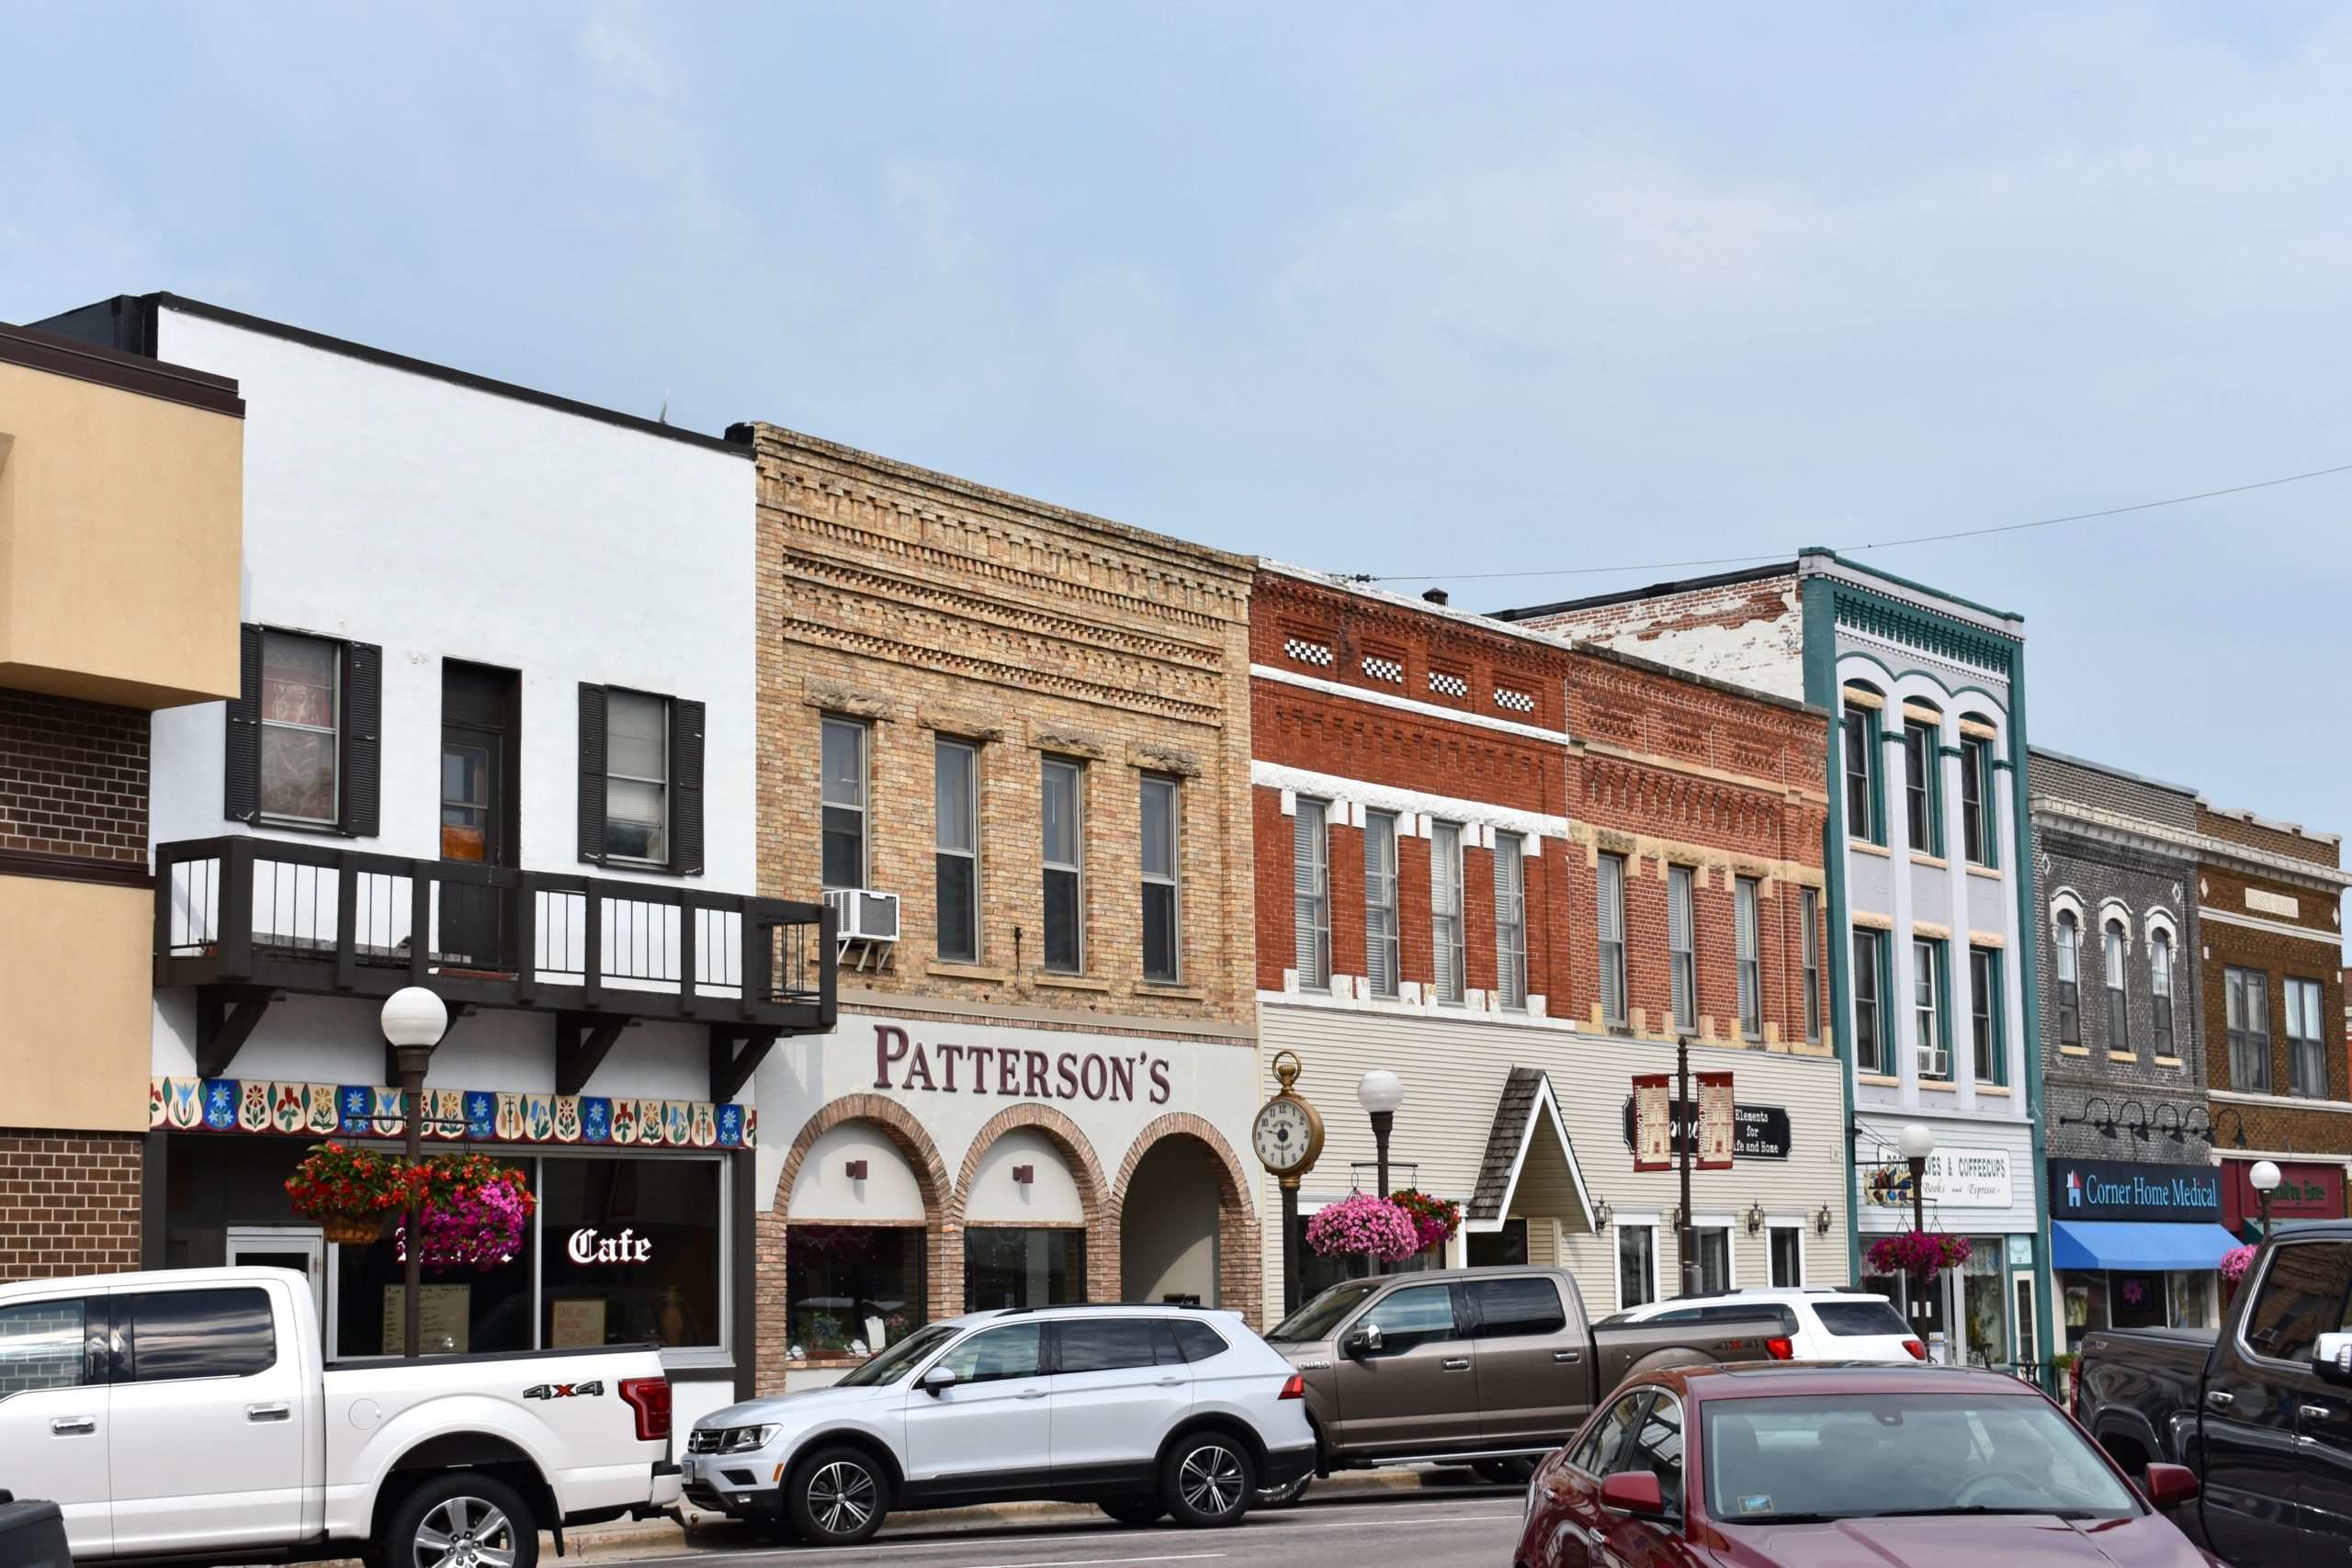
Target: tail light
{"points": [[1918, 1352], [1781, 1349], [649, 1398], [1294, 1389]]}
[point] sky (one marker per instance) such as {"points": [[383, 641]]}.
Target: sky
{"points": [[1422, 291]]}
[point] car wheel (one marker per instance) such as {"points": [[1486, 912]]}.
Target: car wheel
{"points": [[1505, 1471], [1134, 1510], [462, 1519], [1206, 1479], [837, 1498], [1285, 1496]]}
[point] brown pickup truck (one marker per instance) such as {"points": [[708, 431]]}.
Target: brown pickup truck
{"points": [[1492, 1368]]}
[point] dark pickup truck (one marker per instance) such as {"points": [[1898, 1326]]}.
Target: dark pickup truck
{"points": [[2261, 1409]]}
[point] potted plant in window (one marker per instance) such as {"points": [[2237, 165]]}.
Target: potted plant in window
{"points": [[348, 1191]]}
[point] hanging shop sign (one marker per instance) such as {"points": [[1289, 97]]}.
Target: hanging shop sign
{"points": [[2306, 1191], [2119, 1189], [1957, 1179], [1757, 1132]]}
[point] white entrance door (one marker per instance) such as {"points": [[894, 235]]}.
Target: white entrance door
{"points": [[299, 1249]]}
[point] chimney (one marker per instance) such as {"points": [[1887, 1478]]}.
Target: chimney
{"points": [[1434, 595]]}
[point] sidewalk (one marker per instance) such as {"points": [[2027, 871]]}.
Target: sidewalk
{"points": [[705, 1531]]}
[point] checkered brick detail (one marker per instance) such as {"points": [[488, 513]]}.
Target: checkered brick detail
{"points": [[1387, 669], [1448, 685], [1514, 702], [1308, 652]]}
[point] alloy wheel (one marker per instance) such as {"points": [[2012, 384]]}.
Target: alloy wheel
{"points": [[841, 1497], [464, 1533], [1211, 1479]]}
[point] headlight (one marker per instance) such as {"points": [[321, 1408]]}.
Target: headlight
{"points": [[744, 1439]]}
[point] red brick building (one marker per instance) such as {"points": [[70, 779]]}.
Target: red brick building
{"points": [[1514, 871]]}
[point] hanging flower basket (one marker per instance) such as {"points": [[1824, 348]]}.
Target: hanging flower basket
{"points": [[1364, 1225], [475, 1211], [348, 1191], [1918, 1252], [2234, 1263], [1434, 1219]]}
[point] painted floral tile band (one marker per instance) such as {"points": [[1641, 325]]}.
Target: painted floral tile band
{"points": [[450, 1115]]}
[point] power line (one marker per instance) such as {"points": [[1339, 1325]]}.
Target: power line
{"points": [[1852, 550]]}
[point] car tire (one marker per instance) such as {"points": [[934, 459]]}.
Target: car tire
{"points": [[837, 1497], [460, 1510], [1505, 1471], [1208, 1479], [1285, 1496], [1134, 1510]]}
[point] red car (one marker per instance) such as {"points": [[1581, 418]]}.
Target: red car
{"points": [[1785, 1465]]}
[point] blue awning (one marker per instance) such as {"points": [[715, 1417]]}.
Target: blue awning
{"points": [[2139, 1245]]}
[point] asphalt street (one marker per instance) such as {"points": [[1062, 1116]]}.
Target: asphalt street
{"points": [[1456, 1528]]}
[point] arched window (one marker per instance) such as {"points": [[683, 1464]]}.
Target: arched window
{"points": [[2067, 970], [2160, 989], [2118, 1028]]}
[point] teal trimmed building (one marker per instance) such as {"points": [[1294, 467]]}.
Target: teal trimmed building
{"points": [[1930, 928]]}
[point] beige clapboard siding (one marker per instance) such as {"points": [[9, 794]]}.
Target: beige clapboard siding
{"points": [[1454, 1071]]}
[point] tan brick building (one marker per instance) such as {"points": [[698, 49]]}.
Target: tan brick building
{"points": [[2269, 910], [1011, 741]]}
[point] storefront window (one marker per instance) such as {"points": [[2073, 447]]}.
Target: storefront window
{"points": [[2192, 1300], [2085, 1298], [2136, 1301], [1637, 1265], [462, 1310], [1505, 1247], [1714, 1261], [853, 1290], [1008, 1266], [629, 1253], [1984, 1302]]}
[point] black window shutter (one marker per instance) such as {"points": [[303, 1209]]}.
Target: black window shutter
{"points": [[685, 787], [592, 772], [241, 792], [363, 750]]}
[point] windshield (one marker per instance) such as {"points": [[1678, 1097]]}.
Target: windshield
{"points": [[1881, 1455], [894, 1363], [1318, 1317]]}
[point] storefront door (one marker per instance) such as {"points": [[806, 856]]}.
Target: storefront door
{"points": [[300, 1249]]}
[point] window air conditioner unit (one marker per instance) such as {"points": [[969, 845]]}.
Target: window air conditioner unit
{"points": [[1935, 1064], [862, 915]]}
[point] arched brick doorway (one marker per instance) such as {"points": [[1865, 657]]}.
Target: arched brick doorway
{"points": [[1179, 1186], [1086, 1171]]}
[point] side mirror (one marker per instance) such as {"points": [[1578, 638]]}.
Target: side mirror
{"points": [[1365, 1341], [2331, 1358], [2170, 1486], [1636, 1492], [937, 1380]]}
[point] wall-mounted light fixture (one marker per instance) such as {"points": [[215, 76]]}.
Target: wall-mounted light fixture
{"points": [[857, 1170], [1823, 1221], [1755, 1218], [1601, 1213], [1024, 1174]]}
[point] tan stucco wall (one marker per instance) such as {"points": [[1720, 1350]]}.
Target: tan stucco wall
{"points": [[119, 543], [76, 1016]]}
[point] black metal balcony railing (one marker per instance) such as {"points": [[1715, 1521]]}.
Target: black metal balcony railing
{"points": [[247, 916]]}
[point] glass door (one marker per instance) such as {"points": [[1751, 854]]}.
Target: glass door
{"points": [[298, 1249]]}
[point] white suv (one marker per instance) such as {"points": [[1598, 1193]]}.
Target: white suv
{"points": [[1831, 1325], [1145, 1411]]}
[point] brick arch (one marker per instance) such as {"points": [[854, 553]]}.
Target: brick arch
{"points": [[1238, 1272], [1094, 1193], [943, 1234]]}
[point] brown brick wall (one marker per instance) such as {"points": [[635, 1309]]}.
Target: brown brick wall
{"points": [[2275, 1123], [69, 1202], [75, 779], [2241, 828]]}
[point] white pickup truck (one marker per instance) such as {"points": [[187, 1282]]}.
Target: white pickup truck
{"points": [[191, 1415]]}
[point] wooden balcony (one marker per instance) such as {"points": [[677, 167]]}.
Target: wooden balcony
{"points": [[247, 920]]}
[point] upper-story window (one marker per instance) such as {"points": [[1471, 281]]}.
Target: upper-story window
{"points": [[1510, 921], [843, 760], [2306, 1041], [1680, 949], [1977, 818], [1311, 894], [2119, 1021], [1445, 909], [1859, 732], [2248, 1014], [640, 780], [1921, 800], [1745, 946], [1984, 1015], [1161, 802], [1062, 821], [2160, 991], [1380, 903], [302, 747], [955, 790], [1809, 914], [1613, 941], [1927, 1009], [2066, 973], [1869, 993]]}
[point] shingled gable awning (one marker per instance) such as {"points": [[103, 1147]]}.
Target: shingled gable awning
{"points": [[1528, 1137]]}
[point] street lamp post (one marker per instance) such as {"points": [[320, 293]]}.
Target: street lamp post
{"points": [[2264, 1179], [1380, 1094], [1917, 1143], [413, 1021]]}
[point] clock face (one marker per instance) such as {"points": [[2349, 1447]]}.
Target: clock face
{"points": [[1282, 1137]]}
